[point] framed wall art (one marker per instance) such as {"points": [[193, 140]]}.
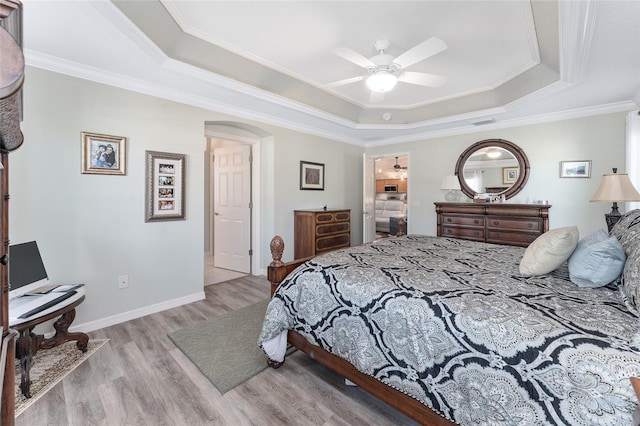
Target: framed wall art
{"points": [[103, 154], [311, 176], [575, 169], [510, 174], [165, 189]]}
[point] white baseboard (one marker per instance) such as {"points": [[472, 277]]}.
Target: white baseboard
{"points": [[136, 313]]}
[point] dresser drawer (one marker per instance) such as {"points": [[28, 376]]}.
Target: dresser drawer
{"points": [[524, 224], [512, 238], [332, 228], [476, 234], [463, 220], [332, 242], [333, 217]]}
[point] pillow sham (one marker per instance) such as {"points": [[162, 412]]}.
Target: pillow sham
{"points": [[627, 231], [597, 260], [550, 250]]}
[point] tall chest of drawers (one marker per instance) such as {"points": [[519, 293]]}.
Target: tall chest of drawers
{"points": [[318, 231], [512, 224]]}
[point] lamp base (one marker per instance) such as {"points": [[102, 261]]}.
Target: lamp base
{"points": [[451, 196], [613, 216]]}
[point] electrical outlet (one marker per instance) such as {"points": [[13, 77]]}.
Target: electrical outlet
{"points": [[123, 281]]}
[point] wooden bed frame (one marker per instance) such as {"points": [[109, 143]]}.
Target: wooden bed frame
{"points": [[276, 273], [419, 412]]}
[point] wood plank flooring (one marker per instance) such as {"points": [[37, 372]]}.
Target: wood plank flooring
{"points": [[141, 378]]}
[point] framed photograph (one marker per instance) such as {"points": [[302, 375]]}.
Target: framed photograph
{"points": [[165, 189], [575, 169], [311, 175], [103, 154], [510, 174]]}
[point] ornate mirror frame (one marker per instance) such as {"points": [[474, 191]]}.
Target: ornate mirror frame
{"points": [[523, 164]]}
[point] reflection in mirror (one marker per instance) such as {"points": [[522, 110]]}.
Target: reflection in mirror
{"points": [[494, 167]]}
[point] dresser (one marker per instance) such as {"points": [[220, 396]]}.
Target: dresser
{"points": [[512, 224], [319, 231]]}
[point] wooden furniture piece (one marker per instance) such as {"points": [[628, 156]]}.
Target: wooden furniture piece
{"points": [[318, 231], [29, 343], [11, 80], [276, 272], [512, 224], [397, 226]]}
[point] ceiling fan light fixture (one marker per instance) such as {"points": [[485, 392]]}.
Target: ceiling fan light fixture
{"points": [[382, 81]]}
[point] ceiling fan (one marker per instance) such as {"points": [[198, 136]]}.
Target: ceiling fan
{"points": [[384, 71], [398, 166]]}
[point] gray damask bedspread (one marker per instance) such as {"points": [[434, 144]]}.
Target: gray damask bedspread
{"points": [[453, 324]]}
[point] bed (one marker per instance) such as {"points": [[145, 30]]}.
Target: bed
{"points": [[450, 331]]}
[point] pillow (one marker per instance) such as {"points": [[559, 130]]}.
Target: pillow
{"points": [[549, 251], [627, 231], [597, 260]]}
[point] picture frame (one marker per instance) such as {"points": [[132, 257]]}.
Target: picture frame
{"points": [[104, 154], [165, 186], [311, 176], [575, 169], [510, 174]]}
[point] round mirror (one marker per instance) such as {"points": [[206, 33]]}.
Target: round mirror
{"points": [[492, 166]]}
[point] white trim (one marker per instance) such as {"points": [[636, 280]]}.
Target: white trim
{"points": [[136, 313]]}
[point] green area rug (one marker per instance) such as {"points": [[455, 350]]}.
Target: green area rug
{"points": [[225, 348]]}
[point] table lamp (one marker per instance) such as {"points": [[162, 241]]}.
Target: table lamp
{"points": [[450, 183], [615, 187]]}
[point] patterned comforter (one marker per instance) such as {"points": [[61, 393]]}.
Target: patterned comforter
{"points": [[453, 324]]}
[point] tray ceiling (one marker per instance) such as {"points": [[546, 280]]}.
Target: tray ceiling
{"points": [[505, 62]]}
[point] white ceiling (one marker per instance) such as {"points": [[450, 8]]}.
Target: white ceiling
{"points": [[507, 62]]}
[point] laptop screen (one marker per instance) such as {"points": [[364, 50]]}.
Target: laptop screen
{"points": [[25, 267]]}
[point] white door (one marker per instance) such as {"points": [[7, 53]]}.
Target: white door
{"points": [[232, 208], [368, 199]]}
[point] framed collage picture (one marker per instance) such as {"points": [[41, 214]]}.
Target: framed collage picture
{"points": [[165, 192]]}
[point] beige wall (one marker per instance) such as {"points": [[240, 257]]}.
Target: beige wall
{"points": [[91, 229], [600, 139]]}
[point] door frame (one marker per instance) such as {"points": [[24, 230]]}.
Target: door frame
{"points": [[255, 230], [409, 167]]}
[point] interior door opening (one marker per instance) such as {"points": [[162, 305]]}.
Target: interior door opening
{"points": [[391, 194]]}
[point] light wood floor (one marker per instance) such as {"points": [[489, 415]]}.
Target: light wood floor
{"points": [[141, 378]]}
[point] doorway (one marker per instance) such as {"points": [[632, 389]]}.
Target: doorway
{"points": [[391, 193]]}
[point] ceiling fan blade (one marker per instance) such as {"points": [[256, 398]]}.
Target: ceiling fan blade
{"points": [[344, 82], [420, 52], [353, 56], [376, 97], [422, 79]]}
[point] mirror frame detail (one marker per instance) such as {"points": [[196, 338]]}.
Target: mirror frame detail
{"points": [[523, 163]]}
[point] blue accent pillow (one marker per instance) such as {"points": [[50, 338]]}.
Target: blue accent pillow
{"points": [[598, 260]]}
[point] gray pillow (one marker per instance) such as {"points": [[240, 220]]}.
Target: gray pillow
{"points": [[597, 260]]}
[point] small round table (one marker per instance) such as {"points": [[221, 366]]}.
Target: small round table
{"points": [[29, 343]]}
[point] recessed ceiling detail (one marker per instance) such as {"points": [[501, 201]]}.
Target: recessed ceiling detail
{"points": [[270, 61]]}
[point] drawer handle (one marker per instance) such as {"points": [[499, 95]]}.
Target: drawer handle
{"points": [[476, 233], [476, 221], [449, 231], [529, 238], [529, 225], [496, 235], [496, 222], [448, 219]]}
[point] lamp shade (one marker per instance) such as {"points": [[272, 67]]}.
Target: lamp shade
{"points": [[450, 182], [382, 81], [616, 187]]}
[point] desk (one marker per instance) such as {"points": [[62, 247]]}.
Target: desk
{"points": [[29, 343]]}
